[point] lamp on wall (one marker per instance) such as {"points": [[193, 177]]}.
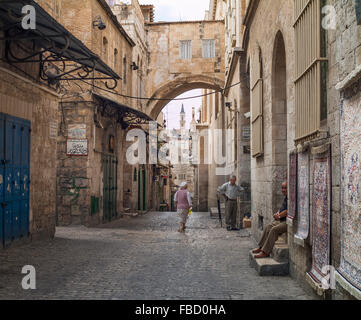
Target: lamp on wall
{"points": [[98, 22], [247, 115], [134, 66], [229, 105]]}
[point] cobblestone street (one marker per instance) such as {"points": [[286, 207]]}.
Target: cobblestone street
{"points": [[143, 258]]}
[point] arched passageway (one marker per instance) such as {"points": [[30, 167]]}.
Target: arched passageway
{"points": [[279, 117], [172, 89]]}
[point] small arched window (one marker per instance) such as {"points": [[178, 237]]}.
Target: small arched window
{"points": [[115, 59], [135, 175], [257, 103], [125, 70], [105, 49]]}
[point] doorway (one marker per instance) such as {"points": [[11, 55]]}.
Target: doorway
{"points": [[109, 187], [14, 178], [279, 119]]}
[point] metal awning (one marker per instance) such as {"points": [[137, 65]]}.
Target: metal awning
{"points": [[51, 44], [123, 114]]}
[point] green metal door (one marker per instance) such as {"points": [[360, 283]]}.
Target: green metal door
{"points": [[144, 189], [109, 187], [139, 194]]}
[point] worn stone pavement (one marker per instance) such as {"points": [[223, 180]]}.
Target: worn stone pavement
{"points": [[142, 258]]}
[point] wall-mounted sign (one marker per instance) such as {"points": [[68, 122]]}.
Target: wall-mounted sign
{"points": [[77, 147], [246, 132], [77, 131]]}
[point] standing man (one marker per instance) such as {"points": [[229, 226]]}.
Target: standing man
{"points": [[231, 191], [274, 229]]}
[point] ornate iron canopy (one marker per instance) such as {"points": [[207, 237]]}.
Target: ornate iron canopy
{"points": [[124, 115], [61, 55]]}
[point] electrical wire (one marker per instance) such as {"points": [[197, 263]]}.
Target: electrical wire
{"points": [[161, 99]]}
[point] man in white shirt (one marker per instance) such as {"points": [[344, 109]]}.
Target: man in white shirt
{"points": [[231, 191]]}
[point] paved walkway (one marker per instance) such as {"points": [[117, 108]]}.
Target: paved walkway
{"points": [[142, 258]]}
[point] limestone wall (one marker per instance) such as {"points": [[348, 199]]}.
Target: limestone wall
{"points": [[22, 98], [165, 63], [269, 170], [80, 178], [78, 18], [344, 54]]}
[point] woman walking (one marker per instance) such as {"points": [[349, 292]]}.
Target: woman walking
{"points": [[183, 203]]}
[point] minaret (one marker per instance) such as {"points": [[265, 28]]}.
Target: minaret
{"points": [[182, 118], [193, 123]]}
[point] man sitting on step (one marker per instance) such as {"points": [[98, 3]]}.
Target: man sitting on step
{"points": [[274, 229]]}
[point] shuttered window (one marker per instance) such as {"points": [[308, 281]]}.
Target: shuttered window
{"points": [[209, 50], [185, 49], [257, 105], [310, 103]]}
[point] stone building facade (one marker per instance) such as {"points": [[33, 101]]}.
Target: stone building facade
{"points": [[102, 184], [227, 111], [262, 103], [133, 18], [90, 186], [178, 62], [183, 170], [29, 126], [271, 67], [32, 107]]}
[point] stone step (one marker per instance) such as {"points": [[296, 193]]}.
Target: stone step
{"points": [[280, 252], [268, 266], [283, 238]]}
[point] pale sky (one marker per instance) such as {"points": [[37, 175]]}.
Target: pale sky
{"points": [[179, 10], [172, 110], [175, 10]]}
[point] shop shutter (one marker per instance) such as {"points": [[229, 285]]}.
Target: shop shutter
{"points": [[257, 105], [308, 82]]}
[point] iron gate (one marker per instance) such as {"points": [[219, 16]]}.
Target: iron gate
{"points": [[14, 178], [109, 187]]}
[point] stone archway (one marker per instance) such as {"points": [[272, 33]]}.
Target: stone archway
{"points": [[172, 89], [279, 118]]}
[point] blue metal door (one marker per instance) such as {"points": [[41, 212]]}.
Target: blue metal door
{"points": [[15, 186], [2, 173]]}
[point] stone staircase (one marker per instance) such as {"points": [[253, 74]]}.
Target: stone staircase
{"points": [[277, 264]]}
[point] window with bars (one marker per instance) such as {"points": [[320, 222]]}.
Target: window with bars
{"points": [[125, 70], [311, 69], [216, 105], [115, 59], [257, 105], [185, 49], [209, 49], [105, 49]]}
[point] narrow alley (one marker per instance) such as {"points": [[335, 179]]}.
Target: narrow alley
{"points": [[120, 118], [143, 258]]}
